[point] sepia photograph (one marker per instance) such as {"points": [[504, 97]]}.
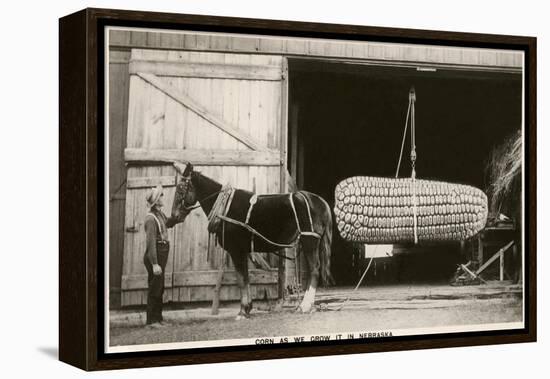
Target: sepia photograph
{"points": [[266, 190]]}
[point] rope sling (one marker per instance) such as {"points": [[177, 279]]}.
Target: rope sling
{"points": [[411, 116]]}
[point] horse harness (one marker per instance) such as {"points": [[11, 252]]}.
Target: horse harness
{"points": [[223, 203]]}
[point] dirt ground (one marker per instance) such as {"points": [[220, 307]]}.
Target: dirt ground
{"points": [[367, 310]]}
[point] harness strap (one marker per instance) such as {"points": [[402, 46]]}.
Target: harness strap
{"points": [[310, 234], [308, 209], [228, 205], [295, 213], [191, 207], [252, 201], [256, 233]]}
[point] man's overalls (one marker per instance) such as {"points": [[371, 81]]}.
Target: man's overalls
{"points": [[156, 252]]}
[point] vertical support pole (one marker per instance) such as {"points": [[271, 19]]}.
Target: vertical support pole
{"points": [[219, 278], [518, 263], [462, 249], [293, 129], [501, 258], [479, 251], [281, 266]]}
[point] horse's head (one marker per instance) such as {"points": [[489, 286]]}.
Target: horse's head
{"points": [[194, 187], [185, 196]]}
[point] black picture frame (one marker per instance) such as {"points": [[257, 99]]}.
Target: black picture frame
{"points": [[81, 110]]}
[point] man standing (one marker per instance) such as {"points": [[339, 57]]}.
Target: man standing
{"points": [[156, 252]]}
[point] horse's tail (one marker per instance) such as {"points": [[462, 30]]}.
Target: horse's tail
{"points": [[325, 248]]}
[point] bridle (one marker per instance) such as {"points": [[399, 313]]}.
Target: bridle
{"points": [[184, 185], [183, 189]]}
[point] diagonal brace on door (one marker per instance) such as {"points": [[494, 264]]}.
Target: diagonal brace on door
{"points": [[185, 100]]}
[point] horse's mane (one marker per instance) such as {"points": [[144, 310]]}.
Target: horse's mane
{"points": [[204, 180]]}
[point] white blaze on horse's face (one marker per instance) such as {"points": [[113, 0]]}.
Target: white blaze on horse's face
{"points": [[180, 167]]}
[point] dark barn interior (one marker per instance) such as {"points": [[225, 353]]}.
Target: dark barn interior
{"points": [[348, 119]]}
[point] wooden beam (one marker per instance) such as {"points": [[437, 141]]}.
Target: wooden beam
{"points": [[494, 257], [473, 274], [203, 157], [200, 278], [185, 100], [206, 70], [145, 182], [258, 260]]}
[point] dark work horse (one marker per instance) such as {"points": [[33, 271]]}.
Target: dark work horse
{"points": [[273, 217]]}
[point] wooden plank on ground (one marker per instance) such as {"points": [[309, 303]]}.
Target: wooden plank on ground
{"points": [[217, 157], [185, 100]]}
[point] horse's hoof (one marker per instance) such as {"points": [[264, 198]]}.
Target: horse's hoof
{"points": [[241, 317], [304, 309]]}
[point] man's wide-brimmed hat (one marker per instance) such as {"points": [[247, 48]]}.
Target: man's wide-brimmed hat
{"points": [[154, 195]]}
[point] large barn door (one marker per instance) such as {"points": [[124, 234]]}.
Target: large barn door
{"points": [[225, 114]]}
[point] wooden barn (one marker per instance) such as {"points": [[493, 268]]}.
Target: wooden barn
{"points": [[267, 114]]}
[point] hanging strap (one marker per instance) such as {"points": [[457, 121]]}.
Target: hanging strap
{"points": [[411, 115], [404, 137], [412, 100]]}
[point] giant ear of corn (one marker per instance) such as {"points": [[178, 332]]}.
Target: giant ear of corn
{"points": [[382, 210]]}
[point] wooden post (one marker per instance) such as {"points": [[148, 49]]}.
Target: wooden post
{"points": [[518, 263], [219, 278], [293, 121], [479, 259], [501, 265], [283, 146]]}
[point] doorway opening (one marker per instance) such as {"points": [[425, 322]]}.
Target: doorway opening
{"points": [[347, 119]]}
